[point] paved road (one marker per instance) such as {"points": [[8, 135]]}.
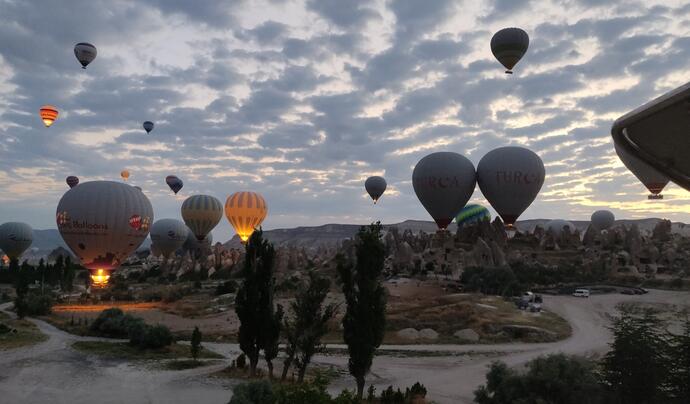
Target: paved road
{"points": [[53, 372]]}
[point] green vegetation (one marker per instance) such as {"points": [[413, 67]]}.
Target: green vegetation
{"points": [[184, 364], [125, 351], [18, 333], [365, 318], [195, 345], [33, 304], [115, 323]]}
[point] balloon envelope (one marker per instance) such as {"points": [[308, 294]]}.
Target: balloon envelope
{"points": [[174, 183], [471, 214], [510, 179], [168, 235], [15, 238], [194, 244], [148, 126], [72, 181], [48, 114], [603, 219], [245, 211], [85, 53], [124, 174], [443, 182], [509, 46], [375, 187], [648, 175], [201, 213], [103, 222]]}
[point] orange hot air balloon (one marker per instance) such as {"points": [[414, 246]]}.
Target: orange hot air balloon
{"points": [[245, 211], [48, 114], [124, 174]]}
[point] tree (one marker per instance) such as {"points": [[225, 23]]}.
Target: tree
{"points": [[556, 379], [310, 323], [680, 355], [365, 297], [195, 345], [636, 369]]}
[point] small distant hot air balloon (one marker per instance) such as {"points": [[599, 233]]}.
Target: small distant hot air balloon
{"points": [[124, 174], [648, 175], [245, 211], [472, 213], [48, 114], [375, 187], [72, 181], [201, 213], [508, 46], [15, 238], [443, 182], [174, 183], [85, 53], [510, 179], [148, 126], [603, 219]]}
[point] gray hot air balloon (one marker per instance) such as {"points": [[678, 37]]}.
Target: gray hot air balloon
{"points": [[148, 126], [85, 53], [603, 219], [558, 226], [510, 179], [443, 182], [103, 222], [508, 46], [15, 238], [191, 242], [167, 235], [648, 175], [375, 186], [201, 213]]}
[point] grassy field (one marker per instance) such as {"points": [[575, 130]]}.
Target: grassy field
{"points": [[124, 351], [24, 333]]}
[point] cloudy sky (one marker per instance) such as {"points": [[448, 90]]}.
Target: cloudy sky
{"points": [[301, 100]]}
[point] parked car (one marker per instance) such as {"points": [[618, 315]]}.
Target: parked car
{"points": [[581, 293]]}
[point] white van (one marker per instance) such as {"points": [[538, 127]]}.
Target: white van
{"points": [[581, 293]]}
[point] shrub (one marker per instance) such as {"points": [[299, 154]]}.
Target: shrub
{"points": [[33, 304], [259, 392], [226, 287], [241, 361], [150, 337], [115, 323]]}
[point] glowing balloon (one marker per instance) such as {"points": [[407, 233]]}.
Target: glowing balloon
{"points": [[48, 114], [148, 126], [603, 219], [124, 174], [443, 182], [471, 214], [245, 211], [15, 238], [510, 179], [648, 175], [509, 46], [103, 222], [72, 181], [85, 53], [201, 213], [168, 235], [375, 187], [174, 183]]}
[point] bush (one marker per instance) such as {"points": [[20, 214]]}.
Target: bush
{"points": [[115, 323], [33, 304], [150, 337], [226, 287], [260, 392]]}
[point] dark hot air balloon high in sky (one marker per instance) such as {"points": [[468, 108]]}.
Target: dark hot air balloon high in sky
{"points": [[510, 179], [85, 53], [72, 181], [472, 213], [245, 211], [174, 183], [148, 126], [509, 46], [375, 187], [168, 235], [201, 213], [48, 114], [15, 238], [443, 182], [648, 175], [103, 222], [603, 219]]}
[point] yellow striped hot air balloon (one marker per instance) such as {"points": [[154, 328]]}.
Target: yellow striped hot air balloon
{"points": [[48, 114], [245, 211]]}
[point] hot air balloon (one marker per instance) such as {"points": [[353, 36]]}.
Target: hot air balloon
{"points": [[557, 227], [174, 183], [443, 182], [124, 174], [148, 126], [15, 238], [648, 175], [201, 213], [510, 179], [193, 244], [375, 187], [508, 46], [245, 211], [603, 219], [72, 181], [48, 114], [471, 214], [168, 235], [85, 53], [103, 222]]}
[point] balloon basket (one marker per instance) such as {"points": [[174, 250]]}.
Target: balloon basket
{"points": [[655, 197]]}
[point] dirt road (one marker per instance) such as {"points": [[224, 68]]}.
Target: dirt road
{"points": [[53, 372]]}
